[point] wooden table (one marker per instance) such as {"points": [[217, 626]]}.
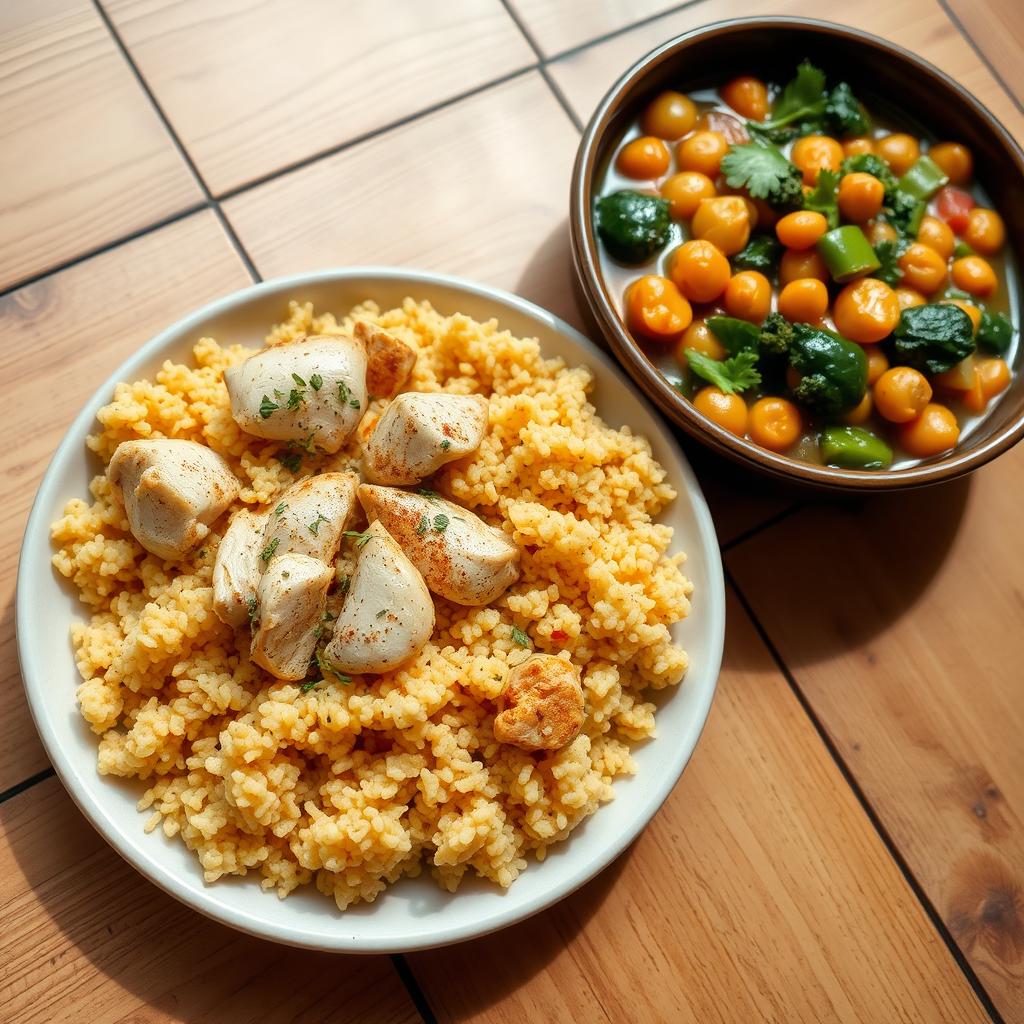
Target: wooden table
{"points": [[848, 843]]}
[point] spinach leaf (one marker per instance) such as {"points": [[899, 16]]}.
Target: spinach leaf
{"points": [[933, 338], [761, 253], [995, 332]]}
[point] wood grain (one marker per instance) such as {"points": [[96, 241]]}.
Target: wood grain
{"points": [[251, 88], [62, 337], [997, 28], [920, 25], [760, 892], [84, 158], [901, 622], [86, 938]]}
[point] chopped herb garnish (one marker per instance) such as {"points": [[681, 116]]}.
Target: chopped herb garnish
{"points": [[423, 525], [290, 460], [327, 668], [344, 583], [280, 510], [345, 396], [295, 397], [361, 539], [309, 684], [520, 638], [441, 522], [268, 552], [267, 407], [306, 444], [298, 380], [316, 382], [428, 493], [445, 445], [314, 527], [382, 613], [254, 608]]}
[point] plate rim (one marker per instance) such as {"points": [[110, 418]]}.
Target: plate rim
{"points": [[204, 899]]}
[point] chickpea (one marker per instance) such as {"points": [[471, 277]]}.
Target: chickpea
{"points": [[815, 153], [645, 157], [774, 423], [878, 363], [908, 298], [801, 229], [804, 300], [881, 231], [747, 96], [685, 190], [901, 394], [728, 411], [954, 160], [970, 309], [866, 311], [994, 375], [725, 221], [702, 151], [923, 268], [899, 151], [937, 235], [985, 232], [860, 413], [655, 309], [748, 296], [669, 116], [856, 146], [974, 275], [933, 432], [699, 270], [699, 338], [799, 263], [860, 196]]}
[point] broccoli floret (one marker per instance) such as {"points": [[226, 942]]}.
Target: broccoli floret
{"points": [[833, 371], [776, 334], [869, 163], [816, 392]]}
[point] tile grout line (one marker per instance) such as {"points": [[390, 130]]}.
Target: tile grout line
{"points": [[412, 987], [20, 787], [753, 531], [178, 144], [880, 829]]}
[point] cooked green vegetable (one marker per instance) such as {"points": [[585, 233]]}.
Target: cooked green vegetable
{"points": [[904, 212], [847, 253], [762, 253], [962, 249], [632, 226], [924, 178], [932, 338], [764, 172], [889, 254], [736, 335], [802, 100], [776, 334], [737, 373], [868, 163], [853, 448], [995, 332], [823, 198], [834, 371], [843, 114]]}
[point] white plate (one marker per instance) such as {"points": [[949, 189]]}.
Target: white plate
{"points": [[416, 913]]}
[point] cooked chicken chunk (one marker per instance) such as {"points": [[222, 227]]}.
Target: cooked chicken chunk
{"points": [[541, 707], [171, 491], [291, 599], [460, 556], [310, 516], [312, 390], [236, 573], [420, 432], [388, 360], [388, 614]]}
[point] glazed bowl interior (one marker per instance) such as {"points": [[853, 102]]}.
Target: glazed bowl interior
{"points": [[886, 78]]}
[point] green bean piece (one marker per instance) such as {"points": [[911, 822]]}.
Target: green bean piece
{"points": [[847, 253], [853, 448], [924, 178]]}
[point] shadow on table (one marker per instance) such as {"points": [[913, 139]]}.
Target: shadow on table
{"points": [[549, 280]]}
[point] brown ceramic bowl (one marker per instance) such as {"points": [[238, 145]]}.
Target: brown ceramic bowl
{"points": [[881, 74]]}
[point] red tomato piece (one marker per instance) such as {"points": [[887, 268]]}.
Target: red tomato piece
{"points": [[953, 206], [559, 635]]}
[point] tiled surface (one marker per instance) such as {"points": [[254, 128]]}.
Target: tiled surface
{"points": [[426, 135]]}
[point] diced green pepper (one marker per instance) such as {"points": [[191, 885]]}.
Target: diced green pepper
{"points": [[924, 178], [853, 448], [847, 253], [962, 249]]}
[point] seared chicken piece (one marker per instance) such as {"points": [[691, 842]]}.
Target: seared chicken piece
{"points": [[291, 599], [312, 390], [236, 573], [460, 556], [388, 360], [310, 516], [420, 432], [388, 614], [171, 491], [541, 707]]}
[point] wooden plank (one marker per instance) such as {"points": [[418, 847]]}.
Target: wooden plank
{"points": [[84, 158], [760, 892], [560, 25], [997, 28], [584, 77], [900, 619], [62, 337], [87, 938], [252, 88]]}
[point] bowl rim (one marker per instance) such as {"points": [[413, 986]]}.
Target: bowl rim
{"points": [[586, 262], [35, 557]]}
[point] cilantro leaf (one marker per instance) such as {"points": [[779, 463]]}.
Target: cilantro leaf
{"points": [[822, 198], [889, 254], [761, 253], [764, 172], [737, 373], [803, 99]]}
